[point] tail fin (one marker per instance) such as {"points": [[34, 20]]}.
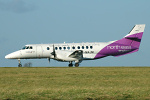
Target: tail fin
{"points": [[137, 29], [129, 44], [134, 37]]}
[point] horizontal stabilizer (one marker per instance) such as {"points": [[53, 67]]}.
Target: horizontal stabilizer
{"points": [[134, 39]]}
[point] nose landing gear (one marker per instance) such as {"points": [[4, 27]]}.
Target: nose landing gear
{"points": [[19, 63]]}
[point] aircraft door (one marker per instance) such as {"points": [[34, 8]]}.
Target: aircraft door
{"points": [[39, 51]]}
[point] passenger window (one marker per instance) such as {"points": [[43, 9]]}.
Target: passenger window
{"points": [[64, 48], [68, 48], [60, 48], [48, 48], [56, 48], [82, 47], [91, 47], [87, 47], [78, 47], [73, 47]]}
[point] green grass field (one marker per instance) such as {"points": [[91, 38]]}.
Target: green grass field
{"points": [[83, 83]]}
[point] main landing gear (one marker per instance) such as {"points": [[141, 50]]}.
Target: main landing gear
{"points": [[76, 64], [19, 63], [71, 65]]}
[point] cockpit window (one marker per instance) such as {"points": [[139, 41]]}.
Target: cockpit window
{"points": [[31, 47], [27, 47], [24, 47]]}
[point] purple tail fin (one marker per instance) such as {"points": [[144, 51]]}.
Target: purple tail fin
{"points": [[134, 37], [129, 44]]}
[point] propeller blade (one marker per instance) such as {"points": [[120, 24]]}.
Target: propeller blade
{"points": [[54, 53], [49, 60]]}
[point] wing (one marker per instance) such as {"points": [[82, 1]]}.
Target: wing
{"points": [[77, 54]]}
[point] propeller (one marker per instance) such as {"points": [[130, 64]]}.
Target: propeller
{"points": [[54, 53], [49, 60]]}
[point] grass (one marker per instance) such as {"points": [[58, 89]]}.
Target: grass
{"points": [[83, 83]]}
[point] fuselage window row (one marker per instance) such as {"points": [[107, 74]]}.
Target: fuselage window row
{"points": [[68, 48]]}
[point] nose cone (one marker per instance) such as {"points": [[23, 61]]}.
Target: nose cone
{"points": [[8, 56], [14, 55]]}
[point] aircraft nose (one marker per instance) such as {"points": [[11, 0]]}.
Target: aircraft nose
{"points": [[14, 55], [10, 56], [7, 56]]}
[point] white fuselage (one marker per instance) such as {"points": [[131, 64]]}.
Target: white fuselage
{"points": [[63, 50]]}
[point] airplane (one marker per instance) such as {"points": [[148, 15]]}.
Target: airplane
{"points": [[77, 52]]}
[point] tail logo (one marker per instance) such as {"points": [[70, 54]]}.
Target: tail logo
{"points": [[119, 47]]}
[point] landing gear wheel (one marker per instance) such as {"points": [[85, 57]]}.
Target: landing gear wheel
{"points": [[19, 65], [76, 64], [70, 65]]}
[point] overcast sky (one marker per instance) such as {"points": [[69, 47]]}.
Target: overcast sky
{"points": [[56, 21]]}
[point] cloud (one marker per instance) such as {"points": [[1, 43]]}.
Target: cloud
{"points": [[17, 6]]}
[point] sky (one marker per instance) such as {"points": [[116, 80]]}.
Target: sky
{"points": [[57, 21]]}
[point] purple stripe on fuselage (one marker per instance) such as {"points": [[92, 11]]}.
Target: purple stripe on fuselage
{"points": [[126, 45]]}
